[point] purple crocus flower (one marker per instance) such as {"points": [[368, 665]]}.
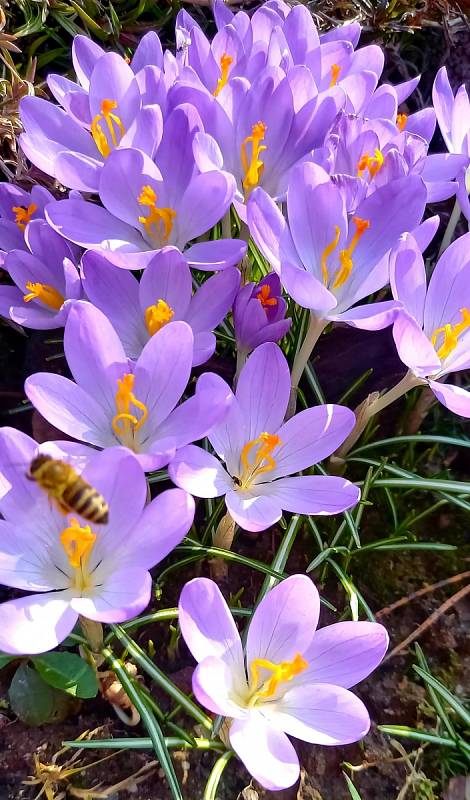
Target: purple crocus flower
{"points": [[17, 209], [259, 313], [453, 116], [138, 310], [260, 451], [432, 333], [75, 568], [289, 680], [328, 261], [167, 203], [114, 402], [46, 279], [101, 113]]}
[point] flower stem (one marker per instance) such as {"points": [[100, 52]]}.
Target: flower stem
{"points": [[315, 328], [450, 230], [370, 407], [242, 355], [223, 538], [93, 631]]}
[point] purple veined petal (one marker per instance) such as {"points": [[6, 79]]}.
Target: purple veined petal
{"points": [[163, 525], [11, 195], [153, 88], [213, 300], [306, 290], [405, 89], [460, 118], [146, 131], [204, 347], [452, 397], [18, 495], [263, 390], [309, 437], [344, 654], [443, 100], [162, 372], [252, 511], [207, 153], [322, 495], [199, 472], [350, 32], [422, 123], [131, 170], [408, 277], [11, 238], [443, 167], [215, 255], [426, 231], [89, 225], [47, 245], [73, 283], [440, 190], [414, 347], [167, 277], [383, 103], [116, 293], [36, 623], [230, 436], [208, 627], [301, 34], [148, 52], [462, 191], [272, 333], [38, 319], [214, 687], [23, 267], [94, 353], [122, 595], [25, 558], [371, 317], [49, 130], [448, 287], [195, 417], [113, 79], [266, 752], [370, 58], [72, 97], [85, 54], [222, 14], [358, 88], [285, 621], [78, 171], [204, 203], [175, 157], [269, 230], [321, 714], [11, 302], [69, 408]]}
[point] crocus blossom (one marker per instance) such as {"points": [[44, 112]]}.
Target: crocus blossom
{"points": [[453, 116], [259, 313], [432, 333], [326, 259], [138, 310], [260, 451], [158, 204], [74, 568], [115, 402], [46, 279], [17, 209], [289, 680]]}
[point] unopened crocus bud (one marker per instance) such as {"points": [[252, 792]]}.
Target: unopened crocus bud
{"points": [[259, 313]]}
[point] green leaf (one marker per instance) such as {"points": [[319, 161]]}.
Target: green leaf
{"points": [[210, 792], [4, 660], [34, 702], [352, 789], [68, 672], [445, 694]]}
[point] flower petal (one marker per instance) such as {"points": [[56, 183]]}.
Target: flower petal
{"points": [[121, 596], [452, 397], [414, 347], [266, 752], [199, 472], [214, 685], [263, 389], [215, 255], [312, 494], [36, 623], [252, 511]]}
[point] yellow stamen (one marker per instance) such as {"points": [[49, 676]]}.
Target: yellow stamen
{"points": [[253, 168], [263, 461], [327, 252], [78, 543], [124, 423], [225, 64], [335, 73], [451, 334], [23, 215], [372, 163], [282, 673], [159, 222], [114, 125], [45, 293], [345, 256], [264, 296], [157, 316], [402, 119]]}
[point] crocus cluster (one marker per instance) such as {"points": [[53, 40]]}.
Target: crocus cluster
{"points": [[274, 158]]}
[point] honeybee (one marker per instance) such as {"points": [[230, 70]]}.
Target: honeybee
{"points": [[68, 489]]}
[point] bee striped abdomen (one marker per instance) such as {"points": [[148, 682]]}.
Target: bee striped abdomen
{"points": [[86, 501], [69, 491]]}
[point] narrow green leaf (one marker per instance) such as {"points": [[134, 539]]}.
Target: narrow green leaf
{"points": [[144, 743], [352, 789], [423, 736], [210, 792], [280, 559], [418, 439], [442, 690], [444, 717], [68, 672]]}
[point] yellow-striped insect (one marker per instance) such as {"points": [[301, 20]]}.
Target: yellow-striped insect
{"points": [[68, 489]]}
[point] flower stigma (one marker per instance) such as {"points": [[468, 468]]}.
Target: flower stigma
{"points": [[114, 126], [157, 316], [402, 119], [45, 293], [335, 73], [264, 296], [23, 215], [78, 543], [281, 673], [125, 424], [159, 222], [225, 64], [450, 334], [263, 460], [329, 249], [373, 163], [253, 168], [345, 256]]}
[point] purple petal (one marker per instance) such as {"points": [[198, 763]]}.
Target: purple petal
{"points": [[148, 51], [312, 494], [215, 255], [452, 397], [78, 170], [131, 170], [252, 511], [171, 514], [121, 596], [85, 54], [91, 226], [263, 389], [214, 686], [270, 230], [306, 290], [448, 286], [371, 317], [204, 203], [344, 653], [113, 79], [168, 278], [36, 623], [414, 347], [213, 300], [408, 277], [199, 472], [266, 752]]}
